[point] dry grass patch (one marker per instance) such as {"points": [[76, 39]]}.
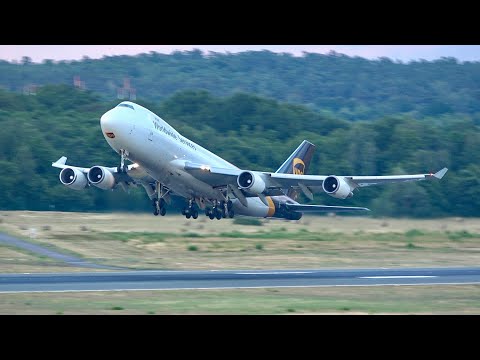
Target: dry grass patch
{"points": [[146, 241]]}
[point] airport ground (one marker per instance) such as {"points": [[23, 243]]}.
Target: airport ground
{"points": [[142, 241]]}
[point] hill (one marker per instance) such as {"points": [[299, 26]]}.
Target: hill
{"points": [[351, 88]]}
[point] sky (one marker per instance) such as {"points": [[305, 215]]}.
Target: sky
{"points": [[404, 53]]}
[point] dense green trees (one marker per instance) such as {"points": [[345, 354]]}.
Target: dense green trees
{"points": [[251, 132], [351, 88]]}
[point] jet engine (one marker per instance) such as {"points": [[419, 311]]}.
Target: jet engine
{"points": [[73, 178], [101, 177], [251, 181], [337, 187]]}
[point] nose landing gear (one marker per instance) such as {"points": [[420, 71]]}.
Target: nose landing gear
{"points": [[159, 207], [123, 168]]}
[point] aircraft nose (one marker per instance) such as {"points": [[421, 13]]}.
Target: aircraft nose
{"points": [[115, 123], [107, 121]]}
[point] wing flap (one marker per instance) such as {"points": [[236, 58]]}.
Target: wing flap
{"points": [[213, 176]]}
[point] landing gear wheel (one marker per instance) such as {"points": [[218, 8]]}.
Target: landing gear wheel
{"points": [[218, 214], [195, 214], [211, 216], [163, 211], [231, 214], [156, 210]]}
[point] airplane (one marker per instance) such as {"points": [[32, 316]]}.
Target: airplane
{"points": [[167, 164]]}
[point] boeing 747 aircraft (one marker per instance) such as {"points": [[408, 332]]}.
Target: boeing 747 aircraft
{"points": [[165, 163]]}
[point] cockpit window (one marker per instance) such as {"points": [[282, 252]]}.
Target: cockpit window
{"points": [[126, 105]]}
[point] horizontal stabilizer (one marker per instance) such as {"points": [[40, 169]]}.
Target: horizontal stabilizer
{"points": [[439, 174], [323, 208]]}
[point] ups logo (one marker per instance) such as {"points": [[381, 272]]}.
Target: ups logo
{"points": [[298, 166]]}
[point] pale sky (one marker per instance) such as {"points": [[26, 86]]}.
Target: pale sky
{"points": [[403, 53]]}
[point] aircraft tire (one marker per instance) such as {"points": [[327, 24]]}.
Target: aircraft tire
{"points": [[162, 203]]}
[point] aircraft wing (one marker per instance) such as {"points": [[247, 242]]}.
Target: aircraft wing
{"points": [[61, 164], [133, 176], [357, 181], [214, 176], [275, 182]]}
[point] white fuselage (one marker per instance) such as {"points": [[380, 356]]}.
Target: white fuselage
{"points": [[161, 151]]}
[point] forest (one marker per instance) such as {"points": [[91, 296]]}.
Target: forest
{"points": [[351, 88], [248, 129]]}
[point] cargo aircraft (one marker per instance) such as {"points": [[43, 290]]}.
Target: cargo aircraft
{"points": [[165, 164]]}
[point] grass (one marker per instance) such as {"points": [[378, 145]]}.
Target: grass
{"points": [[274, 234], [247, 221], [414, 233], [459, 235], [146, 237], [424, 299], [145, 241], [192, 235]]}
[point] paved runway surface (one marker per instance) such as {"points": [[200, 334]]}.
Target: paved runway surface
{"points": [[169, 280]]}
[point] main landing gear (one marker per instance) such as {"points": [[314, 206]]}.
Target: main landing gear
{"points": [[159, 203], [159, 207], [221, 209], [190, 210]]}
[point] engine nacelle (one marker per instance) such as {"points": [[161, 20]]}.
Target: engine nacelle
{"points": [[337, 187], [101, 177], [251, 181], [73, 178]]}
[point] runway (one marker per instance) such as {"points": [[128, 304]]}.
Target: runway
{"points": [[177, 280]]}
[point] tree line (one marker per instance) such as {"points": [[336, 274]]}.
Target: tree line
{"points": [[251, 132]]}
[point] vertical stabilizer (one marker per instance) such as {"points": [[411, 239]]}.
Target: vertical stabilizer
{"points": [[298, 163]]}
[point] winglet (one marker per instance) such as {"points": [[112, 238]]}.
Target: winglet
{"points": [[439, 174], [60, 161]]}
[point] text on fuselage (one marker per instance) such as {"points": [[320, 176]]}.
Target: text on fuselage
{"points": [[172, 134]]}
